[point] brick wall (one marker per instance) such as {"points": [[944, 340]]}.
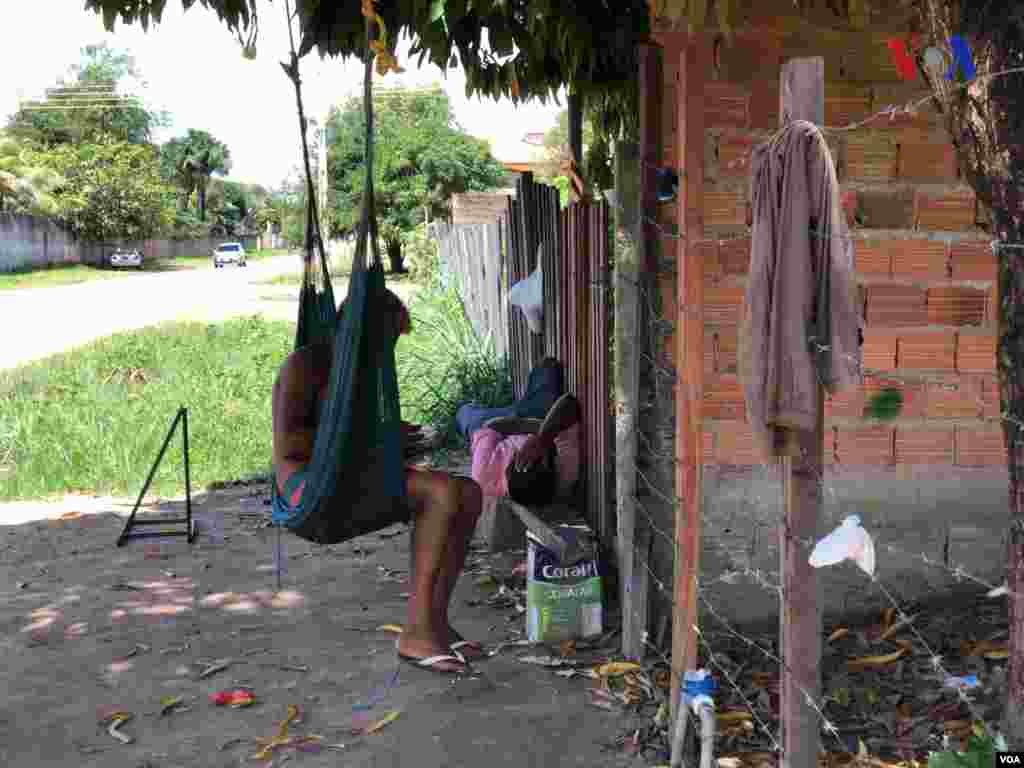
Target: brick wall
{"points": [[926, 274]]}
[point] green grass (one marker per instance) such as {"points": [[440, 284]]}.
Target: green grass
{"points": [[93, 420], [72, 274]]}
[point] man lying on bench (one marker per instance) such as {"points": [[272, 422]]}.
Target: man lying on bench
{"points": [[533, 462]]}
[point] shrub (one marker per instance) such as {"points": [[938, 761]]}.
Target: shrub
{"points": [[422, 256], [443, 363]]}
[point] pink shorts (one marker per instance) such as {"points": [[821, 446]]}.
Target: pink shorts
{"points": [[493, 452]]}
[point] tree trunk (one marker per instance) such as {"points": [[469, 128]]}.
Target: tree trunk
{"points": [[202, 200], [394, 250], [1010, 359]]}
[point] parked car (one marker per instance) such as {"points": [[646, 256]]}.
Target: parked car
{"points": [[125, 257], [229, 253]]}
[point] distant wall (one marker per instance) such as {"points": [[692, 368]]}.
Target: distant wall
{"points": [[30, 242], [27, 241]]}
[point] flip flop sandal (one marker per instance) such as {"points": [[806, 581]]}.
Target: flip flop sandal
{"points": [[472, 645], [430, 663]]}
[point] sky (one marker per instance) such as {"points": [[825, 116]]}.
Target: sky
{"points": [[194, 69]]}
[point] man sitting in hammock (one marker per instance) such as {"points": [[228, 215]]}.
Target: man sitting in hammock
{"points": [[445, 508]]}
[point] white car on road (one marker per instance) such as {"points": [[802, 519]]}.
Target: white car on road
{"points": [[229, 253], [126, 257]]}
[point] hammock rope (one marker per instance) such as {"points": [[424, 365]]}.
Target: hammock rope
{"points": [[355, 480]]}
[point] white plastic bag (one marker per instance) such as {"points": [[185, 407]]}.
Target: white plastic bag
{"points": [[528, 295], [848, 541]]}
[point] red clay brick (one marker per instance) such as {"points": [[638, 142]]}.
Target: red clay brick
{"points": [[764, 103], [980, 447], [726, 105], [925, 446], [845, 105], [753, 55], [872, 257], [953, 212], [866, 445], [727, 340], [708, 445], [952, 397], [722, 304], [976, 353], [895, 305], [847, 404], [918, 259], [734, 155], [708, 250], [972, 260], [986, 386], [879, 351], [734, 256], [724, 209], [736, 445], [927, 351], [870, 157], [723, 399], [956, 306], [992, 307], [925, 157]]}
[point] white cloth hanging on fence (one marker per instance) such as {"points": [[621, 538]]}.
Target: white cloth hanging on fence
{"points": [[528, 295]]}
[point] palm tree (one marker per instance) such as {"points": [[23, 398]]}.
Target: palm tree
{"points": [[24, 187], [191, 161]]}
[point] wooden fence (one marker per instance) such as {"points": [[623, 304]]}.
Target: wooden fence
{"points": [[573, 247], [473, 254]]}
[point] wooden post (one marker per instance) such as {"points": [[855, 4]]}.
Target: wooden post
{"points": [[695, 62], [802, 97], [627, 407]]}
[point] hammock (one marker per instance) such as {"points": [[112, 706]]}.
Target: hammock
{"points": [[355, 481]]}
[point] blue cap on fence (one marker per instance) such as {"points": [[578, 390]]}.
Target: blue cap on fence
{"points": [[699, 683]]}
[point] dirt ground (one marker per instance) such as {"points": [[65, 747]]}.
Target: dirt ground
{"points": [[90, 629]]}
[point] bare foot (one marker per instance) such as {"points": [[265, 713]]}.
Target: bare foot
{"points": [[413, 648]]}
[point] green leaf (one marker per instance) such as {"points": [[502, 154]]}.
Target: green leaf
{"points": [[436, 10]]}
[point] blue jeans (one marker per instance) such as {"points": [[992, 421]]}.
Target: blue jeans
{"points": [[544, 386]]}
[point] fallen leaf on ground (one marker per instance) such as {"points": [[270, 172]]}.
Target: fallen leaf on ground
{"points": [[986, 648], [390, 628], [389, 718], [724, 718], [237, 698], [170, 703], [894, 628], [875, 661], [837, 634], [615, 668]]}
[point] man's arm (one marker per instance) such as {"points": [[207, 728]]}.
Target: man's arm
{"points": [[293, 434], [513, 425]]}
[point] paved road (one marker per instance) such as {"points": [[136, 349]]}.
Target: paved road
{"points": [[38, 322]]}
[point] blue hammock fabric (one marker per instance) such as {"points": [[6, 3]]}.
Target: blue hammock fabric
{"points": [[355, 482]]}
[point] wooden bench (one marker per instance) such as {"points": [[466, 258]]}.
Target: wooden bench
{"points": [[504, 524]]}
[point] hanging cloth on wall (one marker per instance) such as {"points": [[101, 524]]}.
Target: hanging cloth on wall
{"points": [[800, 323]]}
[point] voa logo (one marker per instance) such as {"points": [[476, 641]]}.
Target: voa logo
{"points": [[1010, 758], [935, 59], [576, 572]]}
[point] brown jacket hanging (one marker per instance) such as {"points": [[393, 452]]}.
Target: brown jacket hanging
{"points": [[800, 320]]}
